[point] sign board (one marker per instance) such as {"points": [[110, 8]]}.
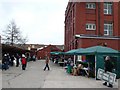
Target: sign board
{"points": [[106, 76]]}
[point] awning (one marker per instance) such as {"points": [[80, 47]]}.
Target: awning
{"points": [[73, 52], [93, 50], [98, 50], [57, 53]]}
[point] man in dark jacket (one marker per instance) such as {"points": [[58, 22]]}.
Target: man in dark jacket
{"points": [[12, 59], [108, 67], [17, 60], [5, 62]]}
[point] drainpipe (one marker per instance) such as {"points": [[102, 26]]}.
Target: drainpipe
{"points": [[98, 18]]}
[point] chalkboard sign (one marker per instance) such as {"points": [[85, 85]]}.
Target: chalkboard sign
{"points": [[106, 76]]}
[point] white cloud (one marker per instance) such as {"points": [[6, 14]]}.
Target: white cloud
{"points": [[37, 1]]}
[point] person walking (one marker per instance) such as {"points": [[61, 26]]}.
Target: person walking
{"points": [[47, 64], [109, 68], [17, 60], [5, 62], [24, 62], [12, 59], [34, 58]]}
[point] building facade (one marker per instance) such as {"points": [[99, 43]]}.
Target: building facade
{"points": [[90, 24], [45, 51]]}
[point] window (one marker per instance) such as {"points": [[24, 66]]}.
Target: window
{"points": [[108, 29], [90, 26], [90, 5], [108, 8]]}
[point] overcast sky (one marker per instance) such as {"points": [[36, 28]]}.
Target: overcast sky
{"points": [[42, 21]]}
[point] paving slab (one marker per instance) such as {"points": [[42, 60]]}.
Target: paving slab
{"points": [[35, 77]]}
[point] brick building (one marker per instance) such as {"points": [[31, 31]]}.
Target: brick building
{"points": [[90, 24], [45, 51]]}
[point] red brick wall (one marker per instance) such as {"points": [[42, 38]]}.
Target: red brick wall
{"points": [[119, 23], [119, 19], [80, 18], [77, 16], [84, 43], [46, 51]]}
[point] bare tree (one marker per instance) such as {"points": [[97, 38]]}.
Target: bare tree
{"points": [[12, 35]]}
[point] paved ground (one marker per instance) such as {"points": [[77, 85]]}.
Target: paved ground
{"points": [[0, 79], [35, 77]]}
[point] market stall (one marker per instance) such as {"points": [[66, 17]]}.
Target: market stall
{"points": [[95, 57], [57, 57]]}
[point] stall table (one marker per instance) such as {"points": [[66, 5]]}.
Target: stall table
{"points": [[61, 63]]}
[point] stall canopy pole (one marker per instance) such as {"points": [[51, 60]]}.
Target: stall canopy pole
{"points": [[74, 59], [95, 67]]}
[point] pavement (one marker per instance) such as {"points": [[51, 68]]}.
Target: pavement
{"points": [[35, 77], [0, 79]]}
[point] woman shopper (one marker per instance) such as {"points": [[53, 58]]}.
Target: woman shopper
{"points": [[24, 62]]}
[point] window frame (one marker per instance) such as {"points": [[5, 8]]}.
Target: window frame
{"points": [[90, 5], [109, 29], [108, 10], [89, 26]]}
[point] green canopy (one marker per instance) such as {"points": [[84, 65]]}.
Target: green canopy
{"points": [[73, 52], [98, 50], [57, 53]]}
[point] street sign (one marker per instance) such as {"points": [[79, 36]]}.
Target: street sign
{"points": [[106, 76]]}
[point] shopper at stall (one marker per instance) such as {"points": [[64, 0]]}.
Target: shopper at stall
{"points": [[79, 67], [75, 71], [69, 65], [109, 68]]}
